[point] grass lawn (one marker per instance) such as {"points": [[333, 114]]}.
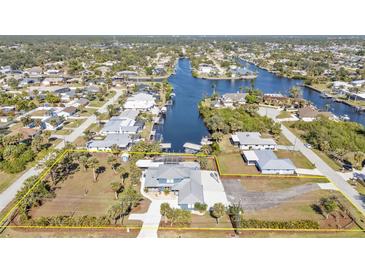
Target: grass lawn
{"points": [[233, 163], [88, 112], [226, 146], [204, 223], [39, 113], [63, 131], [74, 123], [7, 179], [299, 160], [80, 141], [284, 114], [282, 140], [265, 184], [96, 103], [95, 127]]}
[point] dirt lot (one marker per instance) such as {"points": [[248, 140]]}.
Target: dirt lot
{"points": [[79, 195]]}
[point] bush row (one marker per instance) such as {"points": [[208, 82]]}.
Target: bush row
{"points": [[70, 221], [300, 224]]}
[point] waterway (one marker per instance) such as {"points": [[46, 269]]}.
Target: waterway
{"points": [[183, 123]]}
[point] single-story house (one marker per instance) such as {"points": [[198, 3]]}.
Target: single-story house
{"points": [[123, 141], [231, 99], [53, 81], [267, 162], [52, 123], [141, 100], [81, 102], [252, 140], [67, 111]]}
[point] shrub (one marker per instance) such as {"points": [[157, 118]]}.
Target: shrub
{"points": [[299, 224], [200, 207]]}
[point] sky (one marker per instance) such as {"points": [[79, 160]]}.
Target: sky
{"points": [[169, 17]]}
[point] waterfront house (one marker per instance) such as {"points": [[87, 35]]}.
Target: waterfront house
{"points": [[233, 99], [123, 141], [252, 140], [140, 101], [124, 123], [267, 162]]}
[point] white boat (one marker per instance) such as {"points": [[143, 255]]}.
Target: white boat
{"points": [[345, 117]]}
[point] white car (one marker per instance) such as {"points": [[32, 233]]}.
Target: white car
{"points": [[308, 145]]}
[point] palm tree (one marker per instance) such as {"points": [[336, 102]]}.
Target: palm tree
{"points": [[218, 211], [83, 161], [116, 211], [116, 187], [328, 205], [164, 210], [113, 162], [123, 173], [93, 163]]}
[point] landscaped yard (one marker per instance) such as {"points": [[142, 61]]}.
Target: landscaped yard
{"points": [[299, 160], [63, 131], [282, 140], [88, 112], [284, 114], [233, 163]]}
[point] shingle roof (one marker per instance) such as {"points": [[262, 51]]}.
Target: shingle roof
{"points": [[253, 138]]}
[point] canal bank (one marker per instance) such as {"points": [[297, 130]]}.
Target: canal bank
{"points": [[183, 123]]}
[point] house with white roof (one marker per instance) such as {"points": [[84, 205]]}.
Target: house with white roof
{"points": [[124, 123], [267, 162], [123, 141], [141, 101], [253, 140]]}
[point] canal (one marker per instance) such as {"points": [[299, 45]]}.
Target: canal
{"points": [[183, 124]]}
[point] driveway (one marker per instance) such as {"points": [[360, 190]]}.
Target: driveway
{"points": [[260, 200]]}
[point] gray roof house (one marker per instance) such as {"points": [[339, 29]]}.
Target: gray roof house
{"points": [[182, 179], [230, 99], [124, 123], [267, 162], [123, 141], [252, 140]]}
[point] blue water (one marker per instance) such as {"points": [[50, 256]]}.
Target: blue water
{"points": [[183, 124]]}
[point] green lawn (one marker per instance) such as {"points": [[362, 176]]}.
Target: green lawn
{"points": [[233, 163], [63, 131], [284, 114], [7, 179], [74, 123], [299, 160]]}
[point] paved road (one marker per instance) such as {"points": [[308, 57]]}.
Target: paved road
{"points": [[9, 194], [326, 170]]}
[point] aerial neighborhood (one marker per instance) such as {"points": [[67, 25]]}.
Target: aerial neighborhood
{"points": [[160, 136]]}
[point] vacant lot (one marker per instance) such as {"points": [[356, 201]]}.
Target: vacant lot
{"points": [[233, 163], [78, 195], [299, 160]]}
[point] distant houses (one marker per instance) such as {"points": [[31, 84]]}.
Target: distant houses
{"points": [[253, 140]]}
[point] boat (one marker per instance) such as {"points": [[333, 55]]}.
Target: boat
{"points": [[205, 141], [345, 117]]}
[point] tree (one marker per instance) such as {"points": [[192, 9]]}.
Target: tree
{"points": [[294, 92], [218, 211], [83, 160], [113, 162], [93, 163], [328, 205], [37, 143], [116, 187], [164, 210], [203, 162], [116, 211], [26, 120], [200, 207], [123, 173]]}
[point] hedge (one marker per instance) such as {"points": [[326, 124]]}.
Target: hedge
{"points": [[299, 224]]}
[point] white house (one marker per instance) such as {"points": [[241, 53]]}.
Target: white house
{"points": [[141, 100], [253, 140]]}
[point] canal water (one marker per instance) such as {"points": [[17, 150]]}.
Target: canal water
{"points": [[183, 124]]}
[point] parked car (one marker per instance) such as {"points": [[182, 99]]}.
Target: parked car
{"points": [[308, 145], [347, 167]]}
